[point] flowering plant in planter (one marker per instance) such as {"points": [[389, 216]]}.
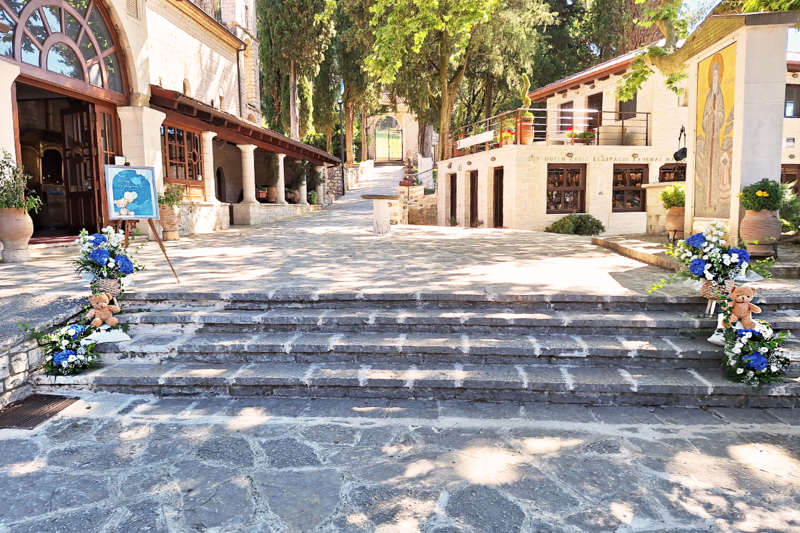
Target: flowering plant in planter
{"points": [[753, 356], [68, 350], [766, 195], [104, 256]]}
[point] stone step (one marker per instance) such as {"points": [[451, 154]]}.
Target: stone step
{"points": [[288, 298], [554, 384], [400, 348], [495, 321]]}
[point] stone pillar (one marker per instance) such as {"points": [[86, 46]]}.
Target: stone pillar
{"points": [[209, 175], [303, 193], [321, 186], [248, 173], [8, 74], [281, 186], [141, 143]]}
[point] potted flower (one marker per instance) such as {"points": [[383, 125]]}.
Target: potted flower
{"points": [[761, 227], [105, 259], [674, 200], [507, 137], [525, 117], [169, 212], [16, 226], [261, 192]]}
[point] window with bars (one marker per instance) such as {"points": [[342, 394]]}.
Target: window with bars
{"points": [[566, 188], [182, 153], [628, 194]]}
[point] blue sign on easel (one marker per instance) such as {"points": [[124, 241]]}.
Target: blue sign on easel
{"points": [[131, 193]]}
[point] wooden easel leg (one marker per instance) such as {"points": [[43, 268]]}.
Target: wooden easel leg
{"points": [[163, 250], [127, 231]]}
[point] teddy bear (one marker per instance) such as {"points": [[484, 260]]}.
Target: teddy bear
{"points": [[102, 311], [123, 202], [740, 306]]}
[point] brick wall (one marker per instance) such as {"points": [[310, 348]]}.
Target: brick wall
{"points": [[334, 180]]}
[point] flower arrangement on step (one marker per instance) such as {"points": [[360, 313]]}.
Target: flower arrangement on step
{"points": [[705, 257], [106, 260], [68, 350], [753, 355]]}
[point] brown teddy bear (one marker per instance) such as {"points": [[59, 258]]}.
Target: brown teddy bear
{"points": [[102, 311], [741, 308]]}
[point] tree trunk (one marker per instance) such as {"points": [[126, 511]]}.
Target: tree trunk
{"points": [[350, 115], [294, 111], [449, 88], [329, 135], [424, 139], [363, 133], [488, 96]]}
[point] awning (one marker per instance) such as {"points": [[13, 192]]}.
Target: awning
{"points": [[193, 113]]}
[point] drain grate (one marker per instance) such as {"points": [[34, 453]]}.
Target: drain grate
{"points": [[33, 410]]}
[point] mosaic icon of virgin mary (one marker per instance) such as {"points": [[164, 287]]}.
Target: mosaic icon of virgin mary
{"points": [[714, 147]]}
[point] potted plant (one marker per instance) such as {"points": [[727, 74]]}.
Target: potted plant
{"points": [[761, 227], [525, 117], [169, 212], [261, 192], [580, 137], [16, 225], [272, 178], [674, 200]]}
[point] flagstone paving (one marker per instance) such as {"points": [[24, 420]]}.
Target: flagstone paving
{"points": [[119, 463], [334, 250]]}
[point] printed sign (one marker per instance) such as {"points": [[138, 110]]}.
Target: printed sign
{"points": [[131, 193]]}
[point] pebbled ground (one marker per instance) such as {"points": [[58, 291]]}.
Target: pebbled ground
{"points": [[119, 463]]}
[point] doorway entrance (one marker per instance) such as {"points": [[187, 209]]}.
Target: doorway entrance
{"points": [[473, 198], [64, 143], [497, 200], [388, 140]]}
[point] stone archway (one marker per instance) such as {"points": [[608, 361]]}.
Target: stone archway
{"points": [[388, 139]]}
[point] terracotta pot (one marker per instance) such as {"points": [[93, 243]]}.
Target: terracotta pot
{"points": [[526, 133], [272, 194], [261, 195], [16, 228], [760, 230], [170, 222], [675, 219]]}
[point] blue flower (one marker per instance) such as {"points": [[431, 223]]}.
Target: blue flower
{"points": [[744, 255], [61, 357], [124, 264], [756, 361], [97, 239], [78, 330], [99, 256], [698, 267], [696, 241], [740, 333]]}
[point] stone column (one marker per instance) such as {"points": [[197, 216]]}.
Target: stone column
{"points": [[321, 186], [8, 73], [209, 175], [303, 194], [281, 186], [141, 144], [248, 173]]}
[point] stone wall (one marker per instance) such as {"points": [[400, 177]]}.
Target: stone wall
{"points": [[334, 180], [202, 217], [20, 355], [257, 214]]}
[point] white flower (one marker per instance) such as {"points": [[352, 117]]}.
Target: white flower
{"points": [[64, 343], [70, 331], [72, 359], [81, 350], [763, 350], [773, 368], [81, 358], [737, 349], [740, 370], [49, 357], [751, 374], [64, 364]]}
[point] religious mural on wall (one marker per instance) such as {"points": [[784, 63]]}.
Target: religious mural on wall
{"points": [[716, 77]]}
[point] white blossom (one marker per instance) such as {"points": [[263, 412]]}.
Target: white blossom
{"points": [[740, 370]]}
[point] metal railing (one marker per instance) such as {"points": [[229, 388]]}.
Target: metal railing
{"points": [[551, 127]]}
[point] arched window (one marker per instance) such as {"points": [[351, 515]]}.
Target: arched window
{"points": [[70, 38]]}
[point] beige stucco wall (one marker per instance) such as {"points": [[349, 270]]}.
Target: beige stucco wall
{"points": [[525, 183]]}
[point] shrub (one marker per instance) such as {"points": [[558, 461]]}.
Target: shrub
{"points": [[790, 207], [172, 195], [762, 196], [453, 221], [575, 224], [14, 193], [673, 196]]}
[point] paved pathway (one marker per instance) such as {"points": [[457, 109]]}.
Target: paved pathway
{"points": [[126, 464]]}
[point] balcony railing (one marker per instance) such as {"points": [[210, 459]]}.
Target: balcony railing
{"points": [[552, 127]]}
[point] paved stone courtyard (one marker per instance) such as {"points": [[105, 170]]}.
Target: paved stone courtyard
{"points": [[119, 463]]}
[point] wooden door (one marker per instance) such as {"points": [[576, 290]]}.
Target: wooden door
{"points": [[81, 168], [595, 119], [107, 139], [473, 197], [453, 196], [497, 201]]}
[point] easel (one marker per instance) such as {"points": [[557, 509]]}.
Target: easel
{"points": [[126, 228]]}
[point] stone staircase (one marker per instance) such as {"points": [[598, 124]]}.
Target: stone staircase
{"points": [[562, 349]]}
